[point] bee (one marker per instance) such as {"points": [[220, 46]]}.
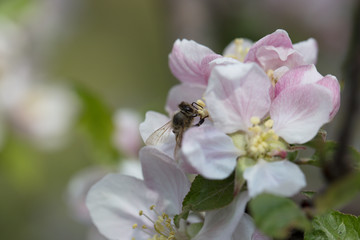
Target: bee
{"points": [[180, 122]]}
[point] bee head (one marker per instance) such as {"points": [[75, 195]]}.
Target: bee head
{"points": [[186, 108]]}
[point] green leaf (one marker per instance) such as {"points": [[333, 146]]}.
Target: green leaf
{"points": [[333, 226], [339, 193], [96, 124], [277, 216], [205, 195]]}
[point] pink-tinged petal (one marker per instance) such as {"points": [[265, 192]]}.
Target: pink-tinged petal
{"points": [[331, 83], [237, 92], [189, 62], [279, 38], [183, 92], [223, 61], [308, 74], [221, 224], [299, 75], [153, 121], [270, 57], [308, 49], [114, 204], [282, 178], [164, 177], [245, 230], [299, 112], [209, 151]]}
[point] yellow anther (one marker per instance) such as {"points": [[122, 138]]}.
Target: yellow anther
{"points": [[253, 149], [134, 226], [270, 73], [255, 120], [261, 149], [144, 227], [141, 212], [152, 207], [132, 238], [269, 123]]}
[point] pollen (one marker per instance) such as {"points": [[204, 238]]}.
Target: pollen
{"points": [[255, 120], [158, 228], [200, 109], [240, 50], [262, 141], [272, 77]]}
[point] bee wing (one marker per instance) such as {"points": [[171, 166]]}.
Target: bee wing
{"points": [[160, 135]]}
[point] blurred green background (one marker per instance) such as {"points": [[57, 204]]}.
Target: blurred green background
{"points": [[114, 55]]}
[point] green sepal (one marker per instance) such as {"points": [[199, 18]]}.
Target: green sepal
{"points": [[193, 229]]}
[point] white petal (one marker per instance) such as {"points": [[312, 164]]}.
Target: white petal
{"points": [[183, 92], [153, 121], [114, 204], [237, 92], [163, 176], [299, 112], [131, 167], [209, 151], [309, 50], [245, 229], [221, 224], [282, 178]]}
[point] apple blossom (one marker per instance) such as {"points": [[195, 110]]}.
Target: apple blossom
{"points": [[124, 207], [252, 130]]}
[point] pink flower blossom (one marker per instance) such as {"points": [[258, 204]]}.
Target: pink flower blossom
{"points": [[248, 123], [116, 201]]}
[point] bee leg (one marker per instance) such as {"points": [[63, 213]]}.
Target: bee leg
{"points": [[201, 121], [196, 105]]}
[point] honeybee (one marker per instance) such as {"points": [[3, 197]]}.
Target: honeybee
{"points": [[180, 122]]}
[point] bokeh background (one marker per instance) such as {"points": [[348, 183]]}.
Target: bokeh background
{"points": [[97, 57]]}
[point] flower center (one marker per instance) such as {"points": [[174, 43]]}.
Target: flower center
{"points": [[240, 50], [160, 228], [262, 141]]}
